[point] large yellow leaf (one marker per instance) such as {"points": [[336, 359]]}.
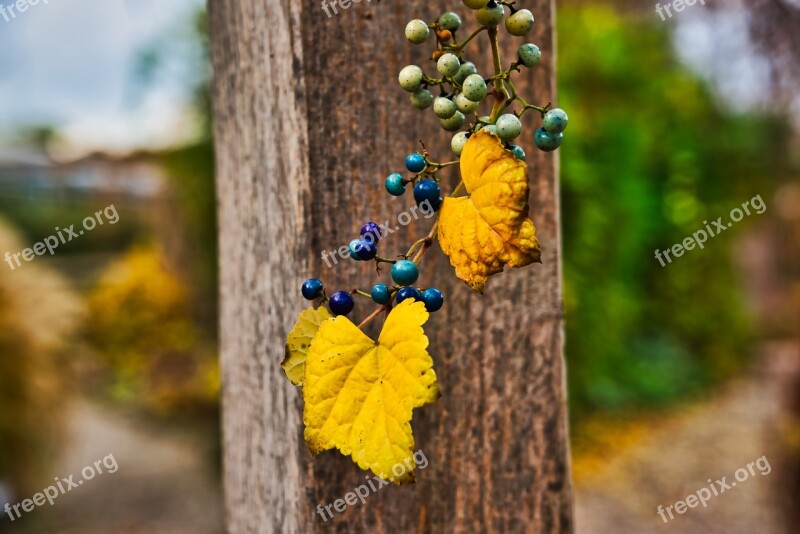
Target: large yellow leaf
{"points": [[489, 228], [359, 394], [299, 340]]}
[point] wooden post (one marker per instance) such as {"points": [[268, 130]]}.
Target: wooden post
{"points": [[309, 121]]}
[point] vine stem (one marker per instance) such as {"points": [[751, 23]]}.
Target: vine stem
{"points": [[499, 86], [372, 316]]}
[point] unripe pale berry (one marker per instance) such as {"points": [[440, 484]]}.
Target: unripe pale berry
{"points": [[450, 21], [490, 128], [508, 127], [465, 70], [410, 78], [547, 141], [417, 31], [457, 143], [529, 54], [520, 23], [475, 4], [448, 64], [555, 120], [474, 87], [443, 107], [464, 104], [453, 123], [421, 98], [490, 16]]}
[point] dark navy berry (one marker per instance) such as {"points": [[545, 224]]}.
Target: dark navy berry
{"points": [[408, 293], [394, 184], [366, 250], [341, 303], [433, 299], [311, 289], [405, 272], [427, 190], [373, 230], [380, 294], [415, 162]]}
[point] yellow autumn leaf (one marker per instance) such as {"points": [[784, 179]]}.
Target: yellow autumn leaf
{"points": [[489, 228], [359, 394], [299, 340]]}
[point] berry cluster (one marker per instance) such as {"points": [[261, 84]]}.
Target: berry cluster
{"points": [[462, 89]]}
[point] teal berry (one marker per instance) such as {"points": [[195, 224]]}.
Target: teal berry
{"points": [[490, 16], [453, 123], [547, 141], [354, 247], [458, 142], [555, 120], [464, 70], [520, 23], [408, 293], [380, 294], [421, 98], [529, 54], [311, 288], [415, 162], [475, 4], [450, 21], [508, 127], [464, 104], [474, 87], [410, 78], [417, 31], [433, 299], [405, 272], [443, 107], [518, 152], [448, 64], [341, 303], [394, 184]]}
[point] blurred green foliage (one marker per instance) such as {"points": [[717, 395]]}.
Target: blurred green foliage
{"points": [[649, 156]]}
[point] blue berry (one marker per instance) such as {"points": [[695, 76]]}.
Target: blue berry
{"points": [[433, 299], [405, 272], [547, 141], [555, 120], [427, 190], [518, 152], [341, 303], [354, 247], [366, 250], [371, 229], [380, 294], [394, 184], [415, 162], [311, 289], [408, 293]]}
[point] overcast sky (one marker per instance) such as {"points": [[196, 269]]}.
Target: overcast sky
{"points": [[70, 63]]}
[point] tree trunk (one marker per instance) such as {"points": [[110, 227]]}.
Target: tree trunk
{"points": [[309, 121]]}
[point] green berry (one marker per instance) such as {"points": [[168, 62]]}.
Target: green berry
{"points": [[547, 141], [458, 142], [443, 107], [475, 4], [465, 70], [421, 98], [410, 78], [490, 16], [490, 128], [520, 23], [474, 87], [448, 64], [508, 127], [453, 123], [450, 21], [529, 54], [405, 272], [555, 120], [518, 152], [417, 31], [464, 104]]}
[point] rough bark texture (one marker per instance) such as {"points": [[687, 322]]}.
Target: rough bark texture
{"points": [[309, 121]]}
